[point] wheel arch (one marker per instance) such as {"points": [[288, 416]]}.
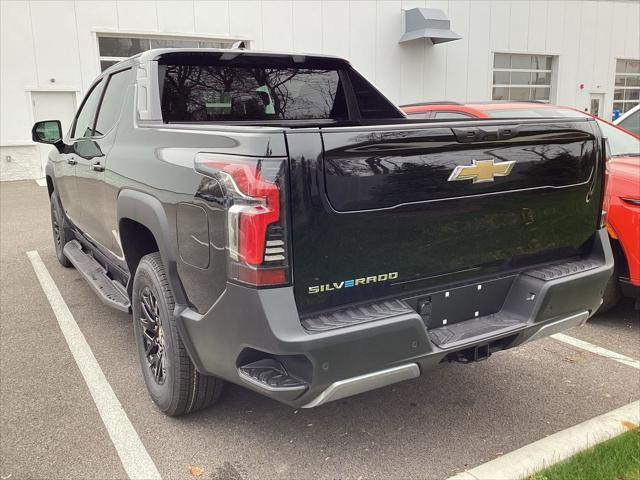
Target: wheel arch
{"points": [[144, 228], [50, 187], [620, 256], [50, 178]]}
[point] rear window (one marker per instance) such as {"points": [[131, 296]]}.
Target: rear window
{"points": [[632, 122], [620, 142], [202, 93], [450, 115], [546, 112], [420, 115]]}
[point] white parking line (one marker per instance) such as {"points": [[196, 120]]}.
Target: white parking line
{"points": [[603, 352], [134, 457]]}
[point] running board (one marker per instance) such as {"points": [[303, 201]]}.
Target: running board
{"points": [[109, 291]]}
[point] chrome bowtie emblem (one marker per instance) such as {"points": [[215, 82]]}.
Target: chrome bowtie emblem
{"points": [[481, 171]]}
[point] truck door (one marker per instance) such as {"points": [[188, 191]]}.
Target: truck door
{"points": [[93, 156], [65, 166]]}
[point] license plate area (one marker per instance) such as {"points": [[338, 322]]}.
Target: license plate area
{"points": [[453, 305]]}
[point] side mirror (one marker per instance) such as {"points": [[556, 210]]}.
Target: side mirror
{"points": [[47, 131]]}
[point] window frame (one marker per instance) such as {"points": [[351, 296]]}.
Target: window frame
{"points": [[102, 94], [97, 83]]}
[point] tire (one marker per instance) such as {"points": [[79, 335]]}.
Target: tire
{"points": [[60, 230], [612, 294], [173, 382]]}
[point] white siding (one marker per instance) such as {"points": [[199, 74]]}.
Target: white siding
{"points": [[176, 16], [136, 15], [103, 16], [537, 26], [212, 17], [277, 25], [434, 82], [307, 26], [458, 53], [362, 37], [480, 61], [18, 69], [519, 26], [245, 20], [335, 28], [388, 63], [55, 43], [586, 37], [586, 52], [555, 27]]}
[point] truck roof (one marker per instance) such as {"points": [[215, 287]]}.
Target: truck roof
{"points": [[155, 53]]}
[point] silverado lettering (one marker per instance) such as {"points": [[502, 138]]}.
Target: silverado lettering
{"points": [[383, 277]]}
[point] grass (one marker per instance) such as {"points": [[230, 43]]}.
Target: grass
{"points": [[615, 459]]}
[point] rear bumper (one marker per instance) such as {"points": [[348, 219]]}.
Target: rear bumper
{"points": [[247, 324]]}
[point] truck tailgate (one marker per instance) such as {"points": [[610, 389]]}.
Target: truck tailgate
{"points": [[389, 210]]}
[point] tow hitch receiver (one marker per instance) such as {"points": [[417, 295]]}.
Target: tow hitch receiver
{"points": [[471, 354]]}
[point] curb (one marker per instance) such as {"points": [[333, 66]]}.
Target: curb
{"points": [[557, 447]]}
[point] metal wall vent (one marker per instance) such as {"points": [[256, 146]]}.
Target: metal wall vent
{"points": [[428, 23]]}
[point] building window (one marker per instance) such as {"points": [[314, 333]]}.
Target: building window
{"points": [[114, 48], [522, 77], [626, 93]]}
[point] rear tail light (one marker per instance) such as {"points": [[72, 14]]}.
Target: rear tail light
{"points": [[254, 198]]}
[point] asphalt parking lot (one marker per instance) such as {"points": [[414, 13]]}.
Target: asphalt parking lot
{"points": [[447, 420]]}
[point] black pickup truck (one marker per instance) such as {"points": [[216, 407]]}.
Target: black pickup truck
{"points": [[274, 221]]}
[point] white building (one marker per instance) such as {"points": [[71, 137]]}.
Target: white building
{"points": [[579, 53]]}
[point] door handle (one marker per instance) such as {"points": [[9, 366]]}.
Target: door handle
{"points": [[97, 167], [72, 161]]}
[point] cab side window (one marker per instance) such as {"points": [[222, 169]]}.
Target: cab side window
{"points": [[632, 123], [450, 115], [83, 126], [420, 115], [112, 100]]}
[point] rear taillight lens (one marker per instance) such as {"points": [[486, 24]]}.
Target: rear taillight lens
{"points": [[255, 202]]}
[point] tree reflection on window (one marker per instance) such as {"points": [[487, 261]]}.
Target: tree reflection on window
{"points": [[200, 93]]}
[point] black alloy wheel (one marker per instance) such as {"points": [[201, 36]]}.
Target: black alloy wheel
{"points": [[152, 335], [55, 226], [61, 233], [173, 382]]}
